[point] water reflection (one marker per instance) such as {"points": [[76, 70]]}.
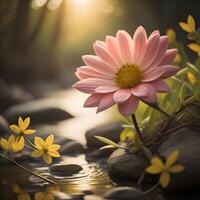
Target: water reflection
{"points": [[85, 118]]}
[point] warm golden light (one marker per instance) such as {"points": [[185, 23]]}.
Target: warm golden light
{"points": [[54, 4], [81, 2], [38, 3]]}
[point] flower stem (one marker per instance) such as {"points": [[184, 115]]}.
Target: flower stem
{"points": [[33, 173], [30, 142], [137, 128], [152, 188], [27, 170], [157, 107]]}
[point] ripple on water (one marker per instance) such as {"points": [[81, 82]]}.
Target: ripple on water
{"points": [[91, 177]]}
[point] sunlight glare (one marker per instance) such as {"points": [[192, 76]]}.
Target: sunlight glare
{"points": [[38, 3], [81, 2]]}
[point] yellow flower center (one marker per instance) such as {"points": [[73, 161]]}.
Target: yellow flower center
{"points": [[45, 148], [128, 76]]}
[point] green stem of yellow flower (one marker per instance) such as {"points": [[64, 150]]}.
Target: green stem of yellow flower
{"points": [[137, 128], [152, 188], [29, 147], [27, 170], [33, 173], [30, 142]]}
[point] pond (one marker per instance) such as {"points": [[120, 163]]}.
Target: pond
{"points": [[92, 179]]}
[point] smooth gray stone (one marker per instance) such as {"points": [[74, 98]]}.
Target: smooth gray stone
{"points": [[65, 170], [187, 142]]}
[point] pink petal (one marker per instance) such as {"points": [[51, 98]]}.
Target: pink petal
{"points": [[106, 89], [151, 51], [145, 91], [128, 107], [169, 70], [161, 51], [169, 57], [102, 43], [106, 102], [156, 32], [93, 100], [90, 84], [98, 64], [89, 72], [122, 95], [125, 46], [139, 45], [160, 72], [104, 54], [112, 46], [160, 86]]}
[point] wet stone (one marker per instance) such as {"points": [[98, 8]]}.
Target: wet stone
{"points": [[41, 112], [71, 147], [78, 196], [124, 193], [126, 165], [65, 170], [4, 127], [11, 95], [111, 131], [187, 142]]}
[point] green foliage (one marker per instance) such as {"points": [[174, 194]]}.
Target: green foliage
{"points": [[183, 93], [127, 134], [107, 141]]}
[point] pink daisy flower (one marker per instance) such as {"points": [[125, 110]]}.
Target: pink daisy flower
{"points": [[126, 70]]}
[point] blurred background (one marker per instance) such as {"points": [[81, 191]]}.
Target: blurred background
{"points": [[41, 41]]}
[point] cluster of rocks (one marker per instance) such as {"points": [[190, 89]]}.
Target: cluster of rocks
{"points": [[121, 164]]}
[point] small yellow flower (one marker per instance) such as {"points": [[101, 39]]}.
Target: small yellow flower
{"points": [[158, 167], [46, 149], [192, 78], [47, 195], [195, 47], [177, 59], [171, 35], [189, 26], [11, 145], [22, 129], [21, 195]]}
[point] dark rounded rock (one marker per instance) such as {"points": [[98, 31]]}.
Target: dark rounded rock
{"points": [[88, 192], [99, 154], [65, 170], [126, 165], [4, 127], [124, 193], [111, 131], [71, 147], [77, 196], [187, 142], [11, 95], [41, 112]]}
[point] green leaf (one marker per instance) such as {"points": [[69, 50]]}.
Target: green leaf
{"points": [[183, 93], [147, 152], [107, 141], [107, 147], [137, 142], [182, 71], [192, 99], [194, 69]]}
